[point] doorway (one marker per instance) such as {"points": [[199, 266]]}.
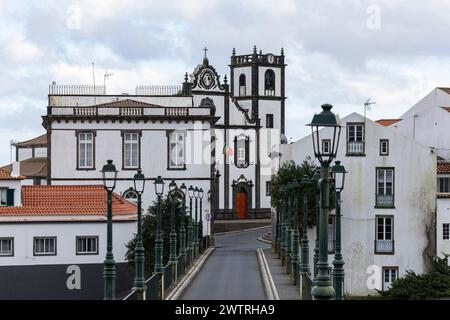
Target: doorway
{"points": [[242, 204]]}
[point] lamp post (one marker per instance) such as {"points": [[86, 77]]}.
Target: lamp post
{"points": [[328, 121], [295, 188], [305, 242], [190, 227], [316, 179], [196, 249], [109, 174], [173, 231], [183, 228], [338, 171], [139, 260], [288, 226], [159, 269], [200, 225], [282, 223]]}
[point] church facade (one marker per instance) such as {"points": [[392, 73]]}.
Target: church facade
{"points": [[209, 133]]}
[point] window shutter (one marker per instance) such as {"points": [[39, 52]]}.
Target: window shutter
{"points": [[10, 197], [235, 151], [247, 150]]}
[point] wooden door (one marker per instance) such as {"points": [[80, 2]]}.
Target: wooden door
{"points": [[241, 204]]}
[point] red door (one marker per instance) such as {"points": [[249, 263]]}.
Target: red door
{"points": [[241, 205]]}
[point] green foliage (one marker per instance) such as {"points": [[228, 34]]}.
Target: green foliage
{"points": [[432, 285], [149, 235], [290, 171]]}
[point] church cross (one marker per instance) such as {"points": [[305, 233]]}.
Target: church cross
{"points": [[206, 49]]}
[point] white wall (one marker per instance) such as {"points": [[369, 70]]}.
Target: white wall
{"points": [[443, 216]]}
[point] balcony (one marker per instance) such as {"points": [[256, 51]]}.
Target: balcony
{"points": [[355, 148], [385, 201], [384, 246]]}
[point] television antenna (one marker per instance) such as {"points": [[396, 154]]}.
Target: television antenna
{"points": [[367, 106], [106, 76]]}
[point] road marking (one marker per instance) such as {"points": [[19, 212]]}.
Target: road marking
{"points": [[269, 286], [244, 230], [178, 290]]}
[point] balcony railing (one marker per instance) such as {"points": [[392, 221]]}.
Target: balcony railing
{"points": [[159, 90], [385, 201], [176, 111], [384, 246], [85, 111], [131, 111], [355, 148], [83, 90]]}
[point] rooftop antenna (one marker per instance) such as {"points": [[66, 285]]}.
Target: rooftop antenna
{"points": [[93, 78], [106, 76], [367, 106]]}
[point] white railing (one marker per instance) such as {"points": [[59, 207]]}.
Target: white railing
{"points": [[61, 89], [354, 147], [131, 111], [177, 111], [85, 111], [384, 246], [385, 200], [159, 90]]}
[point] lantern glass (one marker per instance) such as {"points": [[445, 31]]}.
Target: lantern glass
{"points": [[109, 174], [139, 182], [191, 191], [183, 189], [159, 186], [338, 171], [196, 192], [200, 193], [172, 185]]}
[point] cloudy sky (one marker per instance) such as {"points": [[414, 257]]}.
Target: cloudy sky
{"points": [[341, 52]]}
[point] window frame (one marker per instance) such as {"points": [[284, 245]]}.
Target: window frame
{"points": [[329, 146], [377, 205], [439, 184], [446, 232], [242, 86], [169, 134], [268, 92], [94, 135], [87, 253], [392, 232], [268, 188], [269, 120], [130, 190], [12, 246], [363, 139], [383, 275], [246, 142], [381, 147], [138, 155], [5, 190], [45, 254]]}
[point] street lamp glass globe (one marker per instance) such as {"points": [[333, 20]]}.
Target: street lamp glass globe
{"points": [[172, 185], [338, 171], [191, 191], [109, 174], [196, 192], [139, 182], [200, 193], [159, 186]]}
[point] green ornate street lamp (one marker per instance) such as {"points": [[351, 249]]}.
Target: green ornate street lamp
{"points": [[316, 179], [338, 171], [109, 174], [288, 226], [200, 225], [283, 223], [159, 268], [173, 230], [183, 253], [139, 260], [190, 226], [196, 244], [304, 267], [330, 124]]}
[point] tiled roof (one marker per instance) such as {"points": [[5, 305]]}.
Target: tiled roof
{"points": [[38, 141], [443, 195], [68, 201], [33, 167], [387, 122], [446, 109], [446, 90], [127, 103], [443, 167], [6, 175]]}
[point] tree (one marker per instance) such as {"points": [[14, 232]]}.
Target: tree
{"points": [[289, 172], [149, 234]]}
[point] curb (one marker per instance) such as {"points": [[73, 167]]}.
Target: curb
{"points": [[178, 290], [244, 230], [264, 240], [268, 284]]}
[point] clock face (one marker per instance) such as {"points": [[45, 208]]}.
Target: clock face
{"points": [[270, 58], [207, 80]]}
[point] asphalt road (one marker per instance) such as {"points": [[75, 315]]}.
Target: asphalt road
{"points": [[232, 271]]}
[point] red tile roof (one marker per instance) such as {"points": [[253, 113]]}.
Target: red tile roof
{"points": [[6, 175], [38, 141], [387, 122], [32, 167], [446, 109], [57, 201], [127, 103], [446, 90], [443, 167]]}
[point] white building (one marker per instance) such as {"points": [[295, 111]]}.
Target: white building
{"points": [[388, 203], [53, 244], [443, 210]]}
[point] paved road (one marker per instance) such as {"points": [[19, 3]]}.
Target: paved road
{"points": [[232, 271]]}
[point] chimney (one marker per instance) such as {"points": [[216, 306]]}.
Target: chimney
{"points": [[15, 169]]}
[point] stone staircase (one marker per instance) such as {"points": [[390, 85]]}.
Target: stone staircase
{"points": [[238, 225]]}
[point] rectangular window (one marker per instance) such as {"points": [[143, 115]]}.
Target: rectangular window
{"points": [[445, 231], [384, 238], [444, 184], [331, 234], [86, 150], [385, 188], [3, 197], [44, 246], [241, 145], [326, 146], [269, 120], [389, 275], [131, 150], [87, 245], [176, 150], [268, 188], [384, 147], [355, 139], [6, 247]]}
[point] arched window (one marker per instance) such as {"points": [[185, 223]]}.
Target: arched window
{"points": [[242, 90], [269, 83], [130, 195]]}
